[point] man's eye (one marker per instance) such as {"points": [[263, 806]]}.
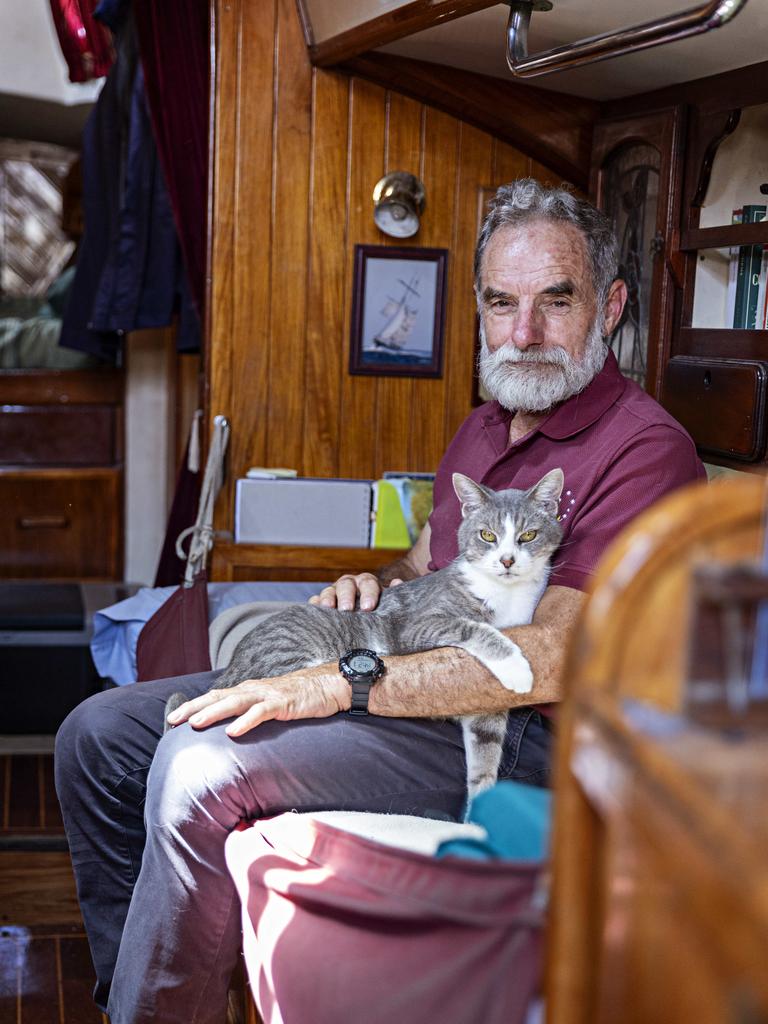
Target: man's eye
{"points": [[528, 536], [487, 536]]}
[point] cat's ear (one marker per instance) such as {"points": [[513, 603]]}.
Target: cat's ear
{"points": [[548, 490], [471, 495]]}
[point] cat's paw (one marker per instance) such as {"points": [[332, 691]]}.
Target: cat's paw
{"points": [[513, 672]]}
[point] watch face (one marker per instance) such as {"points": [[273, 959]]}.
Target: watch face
{"points": [[362, 663]]}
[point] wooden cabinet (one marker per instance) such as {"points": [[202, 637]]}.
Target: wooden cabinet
{"points": [[636, 178], [61, 474], [710, 137]]}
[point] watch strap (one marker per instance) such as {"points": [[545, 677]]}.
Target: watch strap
{"points": [[361, 691]]}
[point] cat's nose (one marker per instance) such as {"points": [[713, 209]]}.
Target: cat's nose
{"points": [[507, 562]]}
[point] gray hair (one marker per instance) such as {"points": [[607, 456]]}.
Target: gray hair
{"points": [[527, 200]]}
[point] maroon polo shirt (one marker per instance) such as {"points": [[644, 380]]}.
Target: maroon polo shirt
{"points": [[619, 451]]}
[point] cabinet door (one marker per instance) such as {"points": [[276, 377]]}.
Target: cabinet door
{"points": [[636, 176]]}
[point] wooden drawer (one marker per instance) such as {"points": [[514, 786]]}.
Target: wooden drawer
{"points": [[49, 435], [60, 523], [720, 402], [242, 562]]}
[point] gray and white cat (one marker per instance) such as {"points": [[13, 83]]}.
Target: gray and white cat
{"points": [[506, 540]]}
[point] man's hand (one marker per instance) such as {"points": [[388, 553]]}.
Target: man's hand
{"points": [[343, 594], [308, 693]]}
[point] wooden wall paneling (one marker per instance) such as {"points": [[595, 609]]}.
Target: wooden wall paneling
{"points": [[254, 239], [475, 166], [291, 198], [509, 163], [428, 400], [552, 127], [224, 163], [326, 340], [359, 407], [402, 152], [545, 174]]}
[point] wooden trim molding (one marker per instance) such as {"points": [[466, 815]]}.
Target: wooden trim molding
{"points": [[552, 127], [403, 21]]}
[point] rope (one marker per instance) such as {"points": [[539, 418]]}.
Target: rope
{"points": [[202, 532]]}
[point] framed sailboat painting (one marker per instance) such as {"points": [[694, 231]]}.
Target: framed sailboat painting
{"points": [[398, 311]]}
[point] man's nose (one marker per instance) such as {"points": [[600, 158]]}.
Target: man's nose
{"points": [[526, 328]]}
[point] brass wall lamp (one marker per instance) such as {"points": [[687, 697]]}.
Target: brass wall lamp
{"points": [[699, 19], [399, 200]]}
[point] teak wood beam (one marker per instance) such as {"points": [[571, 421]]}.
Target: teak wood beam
{"points": [[386, 28], [552, 127]]}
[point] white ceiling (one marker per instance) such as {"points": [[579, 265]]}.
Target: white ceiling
{"points": [[31, 62], [476, 42]]}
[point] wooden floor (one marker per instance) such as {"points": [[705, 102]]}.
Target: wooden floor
{"points": [[46, 976]]}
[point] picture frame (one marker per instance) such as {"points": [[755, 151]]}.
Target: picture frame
{"points": [[398, 311]]}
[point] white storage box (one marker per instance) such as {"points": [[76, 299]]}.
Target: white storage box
{"points": [[308, 512]]}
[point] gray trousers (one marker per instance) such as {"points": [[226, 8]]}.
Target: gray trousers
{"points": [[147, 817]]}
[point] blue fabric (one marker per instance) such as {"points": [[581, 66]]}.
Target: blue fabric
{"points": [[116, 628], [129, 271], [516, 818]]}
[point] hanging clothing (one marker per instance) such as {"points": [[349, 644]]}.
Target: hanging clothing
{"points": [[86, 45], [129, 269]]}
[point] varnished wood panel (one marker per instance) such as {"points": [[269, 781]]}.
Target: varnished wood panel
{"points": [[37, 889], [361, 416], [552, 127], [46, 976], [235, 562], [325, 356], [66, 387], [46, 435], [60, 523], [297, 152], [290, 232]]}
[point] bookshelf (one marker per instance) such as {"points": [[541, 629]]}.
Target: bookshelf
{"points": [[710, 138], [717, 371], [727, 251]]}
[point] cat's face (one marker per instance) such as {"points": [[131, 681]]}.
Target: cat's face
{"points": [[510, 534]]}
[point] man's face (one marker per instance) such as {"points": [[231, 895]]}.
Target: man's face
{"points": [[541, 330]]}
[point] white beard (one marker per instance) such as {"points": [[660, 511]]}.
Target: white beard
{"points": [[532, 380]]}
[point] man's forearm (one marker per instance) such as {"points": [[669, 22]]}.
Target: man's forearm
{"points": [[448, 681], [401, 569]]}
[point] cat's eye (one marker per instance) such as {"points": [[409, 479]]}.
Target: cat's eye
{"points": [[487, 536], [528, 536]]}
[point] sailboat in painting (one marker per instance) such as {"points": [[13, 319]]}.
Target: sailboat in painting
{"points": [[400, 318]]}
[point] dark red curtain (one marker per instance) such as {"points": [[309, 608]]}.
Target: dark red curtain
{"points": [[86, 45], [174, 47]]}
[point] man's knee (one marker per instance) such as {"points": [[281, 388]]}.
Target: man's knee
{"points": [[85, 735], [196, 780]]}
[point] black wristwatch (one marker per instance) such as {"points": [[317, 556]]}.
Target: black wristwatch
{"points": [[361, 669]]}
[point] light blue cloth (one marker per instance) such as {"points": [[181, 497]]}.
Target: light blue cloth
{"points": [[116, 628], [517, 820]]}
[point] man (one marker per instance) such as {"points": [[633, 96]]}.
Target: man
{"points": [[166, 938]]}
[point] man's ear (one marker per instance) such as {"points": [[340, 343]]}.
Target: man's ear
{"points": [[471, 495], [614, 305], [548, 490]]}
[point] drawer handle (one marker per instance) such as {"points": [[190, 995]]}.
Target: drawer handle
{"points": [[43, 522]]}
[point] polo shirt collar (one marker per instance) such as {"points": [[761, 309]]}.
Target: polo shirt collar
{"points": [[574, 415]]}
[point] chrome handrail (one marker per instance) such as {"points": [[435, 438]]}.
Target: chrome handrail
{"points": [[608, 44]]}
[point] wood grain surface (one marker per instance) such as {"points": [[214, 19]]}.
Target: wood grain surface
{"points": [[297, 151]]}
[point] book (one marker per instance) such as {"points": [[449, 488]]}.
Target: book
{"points": [[762, 293], [748, 272], [733, 264]]}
